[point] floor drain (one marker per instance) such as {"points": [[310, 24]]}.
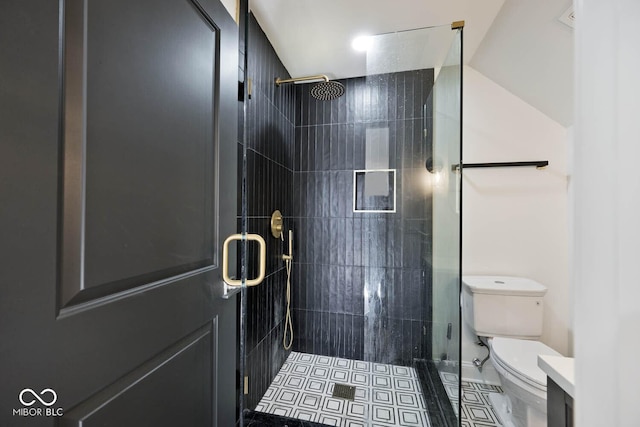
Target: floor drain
{"points": [[344, 391]]}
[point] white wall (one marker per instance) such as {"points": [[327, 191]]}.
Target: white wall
{"points": [[230, 5], [606, 264], [515, 219]]}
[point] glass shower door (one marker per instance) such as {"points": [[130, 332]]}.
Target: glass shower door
{"points": [[447, 221], [430, 195]]}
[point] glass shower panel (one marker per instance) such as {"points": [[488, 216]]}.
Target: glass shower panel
{"points": [[447, 149]]}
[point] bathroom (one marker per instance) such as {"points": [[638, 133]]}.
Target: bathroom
{"points": [[113, 306]]}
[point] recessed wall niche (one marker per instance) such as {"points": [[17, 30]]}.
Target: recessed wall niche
{"points": [[374, 191]]}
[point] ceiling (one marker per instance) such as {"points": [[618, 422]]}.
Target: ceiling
{"points": [[314, 37], [519, 44]]}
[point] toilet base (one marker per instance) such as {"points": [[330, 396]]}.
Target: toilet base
{"points": [[523, 416], [502, 407]]}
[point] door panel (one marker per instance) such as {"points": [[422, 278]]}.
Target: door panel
{"points": [[139, 194], [118, 157], [148, 226], [135, 400]]}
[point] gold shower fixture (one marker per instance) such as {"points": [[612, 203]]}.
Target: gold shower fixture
{"points": [[276, 224], [280, 81], [325, 90]]}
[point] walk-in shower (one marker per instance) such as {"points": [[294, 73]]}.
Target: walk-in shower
{"points": [[374, 285]]}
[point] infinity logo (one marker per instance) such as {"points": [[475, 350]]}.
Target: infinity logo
{"points": [[36, 396]]}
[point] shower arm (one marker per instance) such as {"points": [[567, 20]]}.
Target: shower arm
{"points": [[280, 81]]}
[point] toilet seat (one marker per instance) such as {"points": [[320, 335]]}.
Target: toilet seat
{"points": [[520, 359]]}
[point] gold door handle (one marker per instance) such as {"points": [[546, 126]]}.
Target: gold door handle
{"points": [[225, 260]]}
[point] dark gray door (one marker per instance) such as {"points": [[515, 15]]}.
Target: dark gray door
{"points": [[117, 187]]}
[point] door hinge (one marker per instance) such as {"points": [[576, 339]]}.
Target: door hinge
{"points": [[240, 91], [246, 385]]}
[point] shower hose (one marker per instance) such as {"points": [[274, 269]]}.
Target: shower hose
{"points": [[288, 324]]}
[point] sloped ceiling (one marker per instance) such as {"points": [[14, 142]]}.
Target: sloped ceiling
{"points": [[530, 53], [519, 44]]}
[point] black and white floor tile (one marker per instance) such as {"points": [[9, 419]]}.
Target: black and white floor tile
{"points": [[386, 395], [476, 406]]}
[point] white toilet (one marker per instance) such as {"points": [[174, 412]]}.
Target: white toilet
{"points": [[508, 311]]}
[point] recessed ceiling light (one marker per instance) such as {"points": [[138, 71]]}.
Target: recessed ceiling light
{"points": [[362, 43]]}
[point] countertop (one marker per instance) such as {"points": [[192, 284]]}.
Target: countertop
{"points": [[561, 370]]}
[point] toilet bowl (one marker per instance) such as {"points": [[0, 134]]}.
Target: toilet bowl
{"points": [[508, 312], [524, 403]]}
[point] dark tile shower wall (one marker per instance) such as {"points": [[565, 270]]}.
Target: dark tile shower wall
{"points": [[269, 136], [362, 281]]}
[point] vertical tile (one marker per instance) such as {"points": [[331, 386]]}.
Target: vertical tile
{"points": [[325, 287], [333, 339], [358, 337], [325, 333], [366, 239], [408, 347], [301, 333], [342, 107], [400, 96], [313, 194], [358, 241], [309, 112], [359, 146], [326, 148], [326, 111], [339, 339], [348, 337], [349, 140], [409, 94], [310, 147], [300, 149], [349, 283], [335, 291], [339, 224], [298, 286], [318, 287], [358, 290], [357, 102], [319, 109], [348, 241], [343, 193], [417, 144], [309, 279]]}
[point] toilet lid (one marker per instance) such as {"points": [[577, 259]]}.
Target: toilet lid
{"points": [[521, 358]]}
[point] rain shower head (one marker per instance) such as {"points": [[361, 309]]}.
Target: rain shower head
{"points": [[325, 90]]}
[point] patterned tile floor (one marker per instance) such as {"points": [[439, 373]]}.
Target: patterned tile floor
{"points": [[386, 395], [476, 406]]}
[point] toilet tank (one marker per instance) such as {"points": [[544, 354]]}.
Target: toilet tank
{"points": [[502, 306]]}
